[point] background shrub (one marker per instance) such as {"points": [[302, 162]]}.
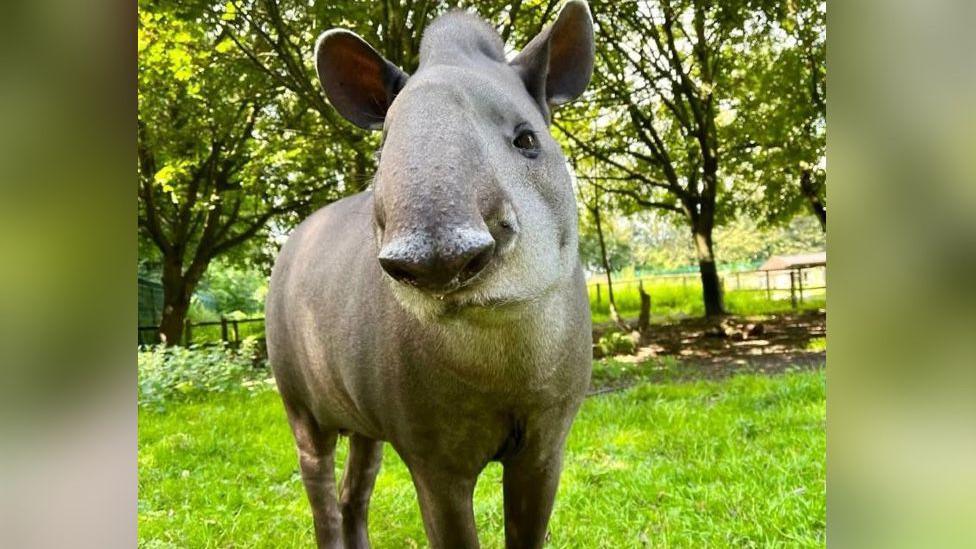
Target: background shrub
{"points": [[175, 373], [616, 343]]}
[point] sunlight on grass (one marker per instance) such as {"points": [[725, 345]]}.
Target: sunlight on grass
{"points": [[732, 463]]}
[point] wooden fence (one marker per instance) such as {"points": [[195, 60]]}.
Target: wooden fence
{"points": [[796, 283]]}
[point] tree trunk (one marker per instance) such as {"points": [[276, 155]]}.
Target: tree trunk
{"points": [[178, 288], [810, 192], [711, 285], [176, 304], [614, 316]]}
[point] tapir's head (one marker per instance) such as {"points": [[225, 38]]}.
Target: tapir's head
{"points": [[473, 199]]}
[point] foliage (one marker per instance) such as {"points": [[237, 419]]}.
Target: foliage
{"points": [[199, 312], [737, 463], [224, 152], [618, 241], [686, 91], [652, 243], [784, 79], [236, 291], [176, 373], [616, 343]]}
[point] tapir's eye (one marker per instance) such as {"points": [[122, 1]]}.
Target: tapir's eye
{"points": [[527, 143]]}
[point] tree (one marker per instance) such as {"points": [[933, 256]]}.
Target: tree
{"points": [[662, 70], [664, 118], [214, 162]]}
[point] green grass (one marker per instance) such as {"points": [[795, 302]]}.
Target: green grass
{"points": [[735, 463], [672, 300], [817, 344]]}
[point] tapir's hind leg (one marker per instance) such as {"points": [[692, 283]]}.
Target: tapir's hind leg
{"points": [[316, 457], [362, 466]]}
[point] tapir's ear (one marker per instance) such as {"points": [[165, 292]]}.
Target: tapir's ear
{"points": [[557, 64], [358, 81]]}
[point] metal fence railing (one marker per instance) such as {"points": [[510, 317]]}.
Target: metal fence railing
{"points": [[229, 330]]}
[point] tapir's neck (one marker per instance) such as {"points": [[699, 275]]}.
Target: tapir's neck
{"points": [[525, 346]]}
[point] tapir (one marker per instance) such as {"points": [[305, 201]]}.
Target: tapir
{"points": [[444, 309]]}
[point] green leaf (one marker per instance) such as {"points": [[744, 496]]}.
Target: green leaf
{"points": [[225, 45], [230, 12], [165, 177]]}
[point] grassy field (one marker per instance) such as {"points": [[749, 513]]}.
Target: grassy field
{"points": [[702, 464], [671, 300]]}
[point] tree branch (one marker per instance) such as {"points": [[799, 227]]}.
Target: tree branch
{"points": [[147, 168]]}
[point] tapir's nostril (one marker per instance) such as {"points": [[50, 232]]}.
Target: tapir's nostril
{"points": [[436, 269], [478, 261], [400, 273]]}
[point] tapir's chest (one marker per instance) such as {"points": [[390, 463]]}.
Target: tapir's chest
{"points": [[460, 398], [450, 421]]}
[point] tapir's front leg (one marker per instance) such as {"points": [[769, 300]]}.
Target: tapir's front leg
{"points": [[530, 488], [531, 478], [445, 503]]}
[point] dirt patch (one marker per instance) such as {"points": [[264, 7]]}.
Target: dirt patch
{"points": [[699, 348]]}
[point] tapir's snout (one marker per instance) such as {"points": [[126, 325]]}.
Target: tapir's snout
{"points": [[437, 262]]}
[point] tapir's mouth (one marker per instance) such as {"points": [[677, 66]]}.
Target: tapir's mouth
{"points": [[466, 295], [474, 299], [451, 290], [477, 300], [490, 305]]}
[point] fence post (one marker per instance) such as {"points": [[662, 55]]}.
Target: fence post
{"points": [[738, 281], [597, 293], [799, 279], [644, 318], [223, 329], [237, 334], [187, 333], [793, 288], [769, 291]]}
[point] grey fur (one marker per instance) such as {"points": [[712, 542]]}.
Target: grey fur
{"points": [[464, 365]]}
